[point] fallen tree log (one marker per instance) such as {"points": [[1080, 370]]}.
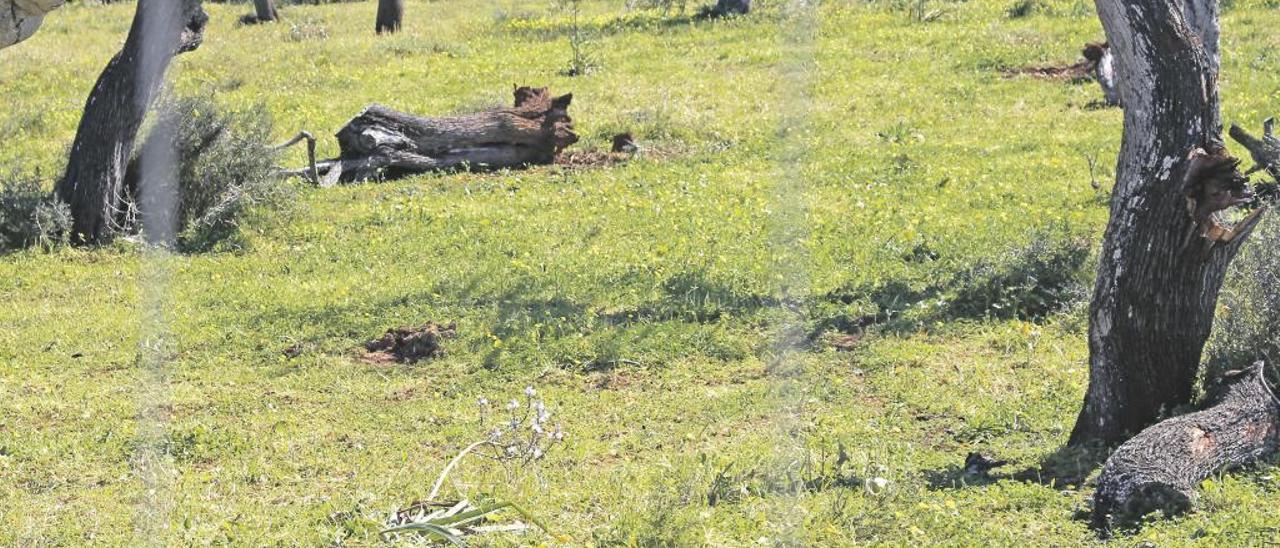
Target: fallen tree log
{"points": [[382, 143], [1160, 468]]}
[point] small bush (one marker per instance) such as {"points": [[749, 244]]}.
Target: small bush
{"points": [[1029, 282], [1247, 324], [224, 166], [29, 215], [1024, 8]]}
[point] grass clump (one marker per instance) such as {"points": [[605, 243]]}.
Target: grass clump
{"points": [[1029, 282], [225, 166], [30, 215], [1247, 325]]}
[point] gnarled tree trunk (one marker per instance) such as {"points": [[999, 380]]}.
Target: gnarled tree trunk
{"points": [[390, 13], [93, 183], [1154, 300]]}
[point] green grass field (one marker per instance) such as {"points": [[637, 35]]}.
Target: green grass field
{"points": [[675, 311]]}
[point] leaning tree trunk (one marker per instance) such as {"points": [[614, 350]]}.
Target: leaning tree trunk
{"points": [[93, 183], [1154, 300], [390, 12], [265, 10], [1160, 468]]}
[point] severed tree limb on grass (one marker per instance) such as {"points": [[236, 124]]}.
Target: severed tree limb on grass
{"points": [[1160, 468], [311, 172], [382, 143]]}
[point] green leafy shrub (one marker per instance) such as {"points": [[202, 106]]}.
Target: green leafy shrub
{"points": [[30, 215], [225, 166], [1247, 324]]}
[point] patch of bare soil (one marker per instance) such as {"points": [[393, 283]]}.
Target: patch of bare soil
{"points": [[409, 344]]}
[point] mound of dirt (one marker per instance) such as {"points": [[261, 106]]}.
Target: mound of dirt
{"points": [[409, 344]]}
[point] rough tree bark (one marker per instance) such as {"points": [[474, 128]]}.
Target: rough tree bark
{"points": [[384, 143], [19, 19], [1202, 17], [93, 183], [1160, 468], [390, 13], [730, 7], [1153, 302], [265, 10]]}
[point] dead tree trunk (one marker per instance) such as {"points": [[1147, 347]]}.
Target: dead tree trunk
{"points": [[1154, 299], [390, 13], [1160, 468], [93, 183], [729, 7], [384, 143], [265, 10]]}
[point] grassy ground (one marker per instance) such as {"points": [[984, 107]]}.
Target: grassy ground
{"points": [[671, 310]]}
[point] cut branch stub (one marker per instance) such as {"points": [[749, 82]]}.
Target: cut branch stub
{"points": [[1160, 468], [381, 142], [1265, 152]]}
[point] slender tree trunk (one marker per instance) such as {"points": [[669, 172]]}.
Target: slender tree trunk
{"points": [[93, 183], [1154, 300], [390, 12], [265, 10]]}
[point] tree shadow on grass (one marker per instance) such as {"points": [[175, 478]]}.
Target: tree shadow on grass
{"points": [[1067, 466]]}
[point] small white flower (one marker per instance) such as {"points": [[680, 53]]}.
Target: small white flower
{"points": [[537, 427], [513, 405], [511, 450], [495, 434], [514, 424], [529, 391], [537, 453], [482, 401]]}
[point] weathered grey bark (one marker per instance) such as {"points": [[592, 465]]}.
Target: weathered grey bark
{"points": [[1202, 17], [390, 13], [1160, 468], [265, 10], [19, 19], [1153, 302], [93, 183], [381, 142]]}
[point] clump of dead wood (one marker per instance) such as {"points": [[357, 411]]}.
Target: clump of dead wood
{"points": [[383, 143], [1098, 65]]}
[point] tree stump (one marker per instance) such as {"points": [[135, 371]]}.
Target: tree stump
{"points": [[384, 143], [1160, 468], [390, 13]]}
